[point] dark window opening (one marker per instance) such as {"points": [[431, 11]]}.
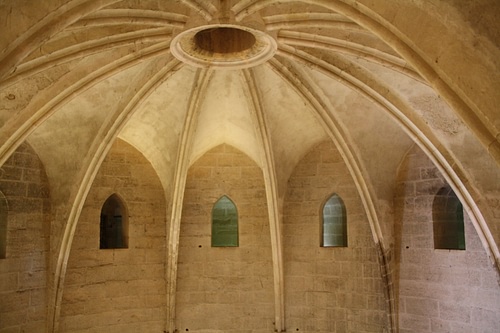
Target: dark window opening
{"points": [[113, 230], [448, 220]]}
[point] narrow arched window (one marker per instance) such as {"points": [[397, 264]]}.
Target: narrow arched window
{"points": [[224, 223], [3, 226], [114, 224], [334, 223], [448, 220]]}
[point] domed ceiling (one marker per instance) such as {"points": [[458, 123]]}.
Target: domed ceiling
{"points": [[176, 77], [271, 78]]}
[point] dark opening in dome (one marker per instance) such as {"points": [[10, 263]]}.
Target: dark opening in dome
{"points": [[224, 40]]}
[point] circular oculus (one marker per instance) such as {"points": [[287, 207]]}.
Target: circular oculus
{"points": [[223, 46]]}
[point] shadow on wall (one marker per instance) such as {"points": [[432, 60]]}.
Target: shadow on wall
{"points": [[446, 281], [3, 225]]}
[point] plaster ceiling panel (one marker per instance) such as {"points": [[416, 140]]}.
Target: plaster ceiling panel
{"points": [[167, 6], [423, 100], [224, 117], [320, 21], [295, 7], [338, 36], [18, 95], [293, 128], [48, 80], [97, 39], [379, 143], [18, 16], [445, 124], [71, 130], [155, 128]]}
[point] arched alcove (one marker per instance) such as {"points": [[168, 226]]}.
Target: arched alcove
{"points": [[224, 223], [370, 77], [448, 220], [334, 222], [114, 224]]}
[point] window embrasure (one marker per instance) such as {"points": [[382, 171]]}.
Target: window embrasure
{"points": [[334, 223], [448, 220], [114, 224], [224, 223]]}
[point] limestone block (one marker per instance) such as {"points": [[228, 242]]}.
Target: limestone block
{"points": [[8, 281]]}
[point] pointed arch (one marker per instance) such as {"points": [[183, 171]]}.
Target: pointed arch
{"points": [[448, 220], [197, 95], [225, 223], [402, 44], [113, 224], [269, 169], [334, 222]]}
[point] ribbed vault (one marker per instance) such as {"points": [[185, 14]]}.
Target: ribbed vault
{"points": [[81, 73]]}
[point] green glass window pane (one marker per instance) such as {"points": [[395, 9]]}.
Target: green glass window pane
{"points": [[224, 223], [334, 223]]}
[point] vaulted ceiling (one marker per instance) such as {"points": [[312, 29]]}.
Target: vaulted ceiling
{"points": [[373, 77]]}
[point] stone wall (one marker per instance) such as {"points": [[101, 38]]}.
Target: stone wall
{"points": [[225, 289], [23, 271], [439, 290], [119, 290], [331, 289]]}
